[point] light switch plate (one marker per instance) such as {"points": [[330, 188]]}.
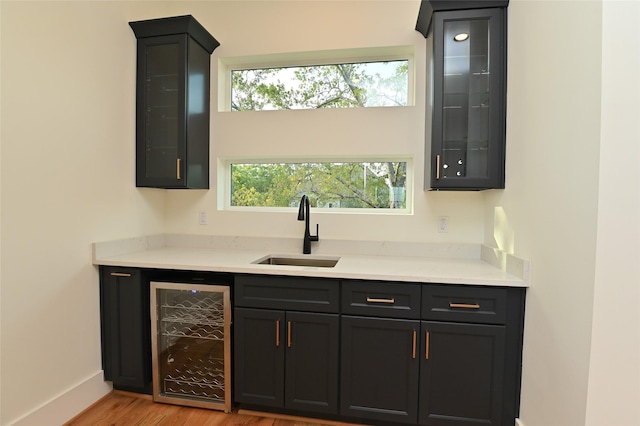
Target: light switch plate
{"points": [[202, 217], [443, 224]]}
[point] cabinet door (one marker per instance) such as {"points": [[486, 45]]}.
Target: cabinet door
{"points": [[468, 130], [379, 369], [461, 373], [160, 111], [126, 329], [259, 344], [312, 362]]}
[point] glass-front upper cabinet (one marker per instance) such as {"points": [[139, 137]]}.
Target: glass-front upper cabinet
{"points": [[161, 139], [467, 146], [172, 103]]}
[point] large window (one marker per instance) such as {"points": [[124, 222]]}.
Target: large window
{"points": [[331, 185], [338, 85]]}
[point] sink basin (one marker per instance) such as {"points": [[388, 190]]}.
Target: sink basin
{"points": [[288, 260]]}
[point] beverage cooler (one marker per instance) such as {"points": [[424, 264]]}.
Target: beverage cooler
{"points": [[191, 347]]}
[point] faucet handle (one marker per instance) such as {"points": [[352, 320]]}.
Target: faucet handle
{"points": [[315, 237]]}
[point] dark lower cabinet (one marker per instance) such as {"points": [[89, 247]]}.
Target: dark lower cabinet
{"points": [[461, 374], [259, 357], [311, 362], [286, 359], [379, 376], [390, 353], [126, 329]]}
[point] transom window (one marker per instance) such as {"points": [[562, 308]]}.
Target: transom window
{"points": [[336, 85]]}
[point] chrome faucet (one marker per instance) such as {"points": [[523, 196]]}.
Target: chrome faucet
{"points": [[303, 214]]}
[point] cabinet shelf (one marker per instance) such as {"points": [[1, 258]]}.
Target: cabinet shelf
{"points": [[205, 304], [211, 320], [170, 75], [154, 148], [168, 118], [483, 56]]}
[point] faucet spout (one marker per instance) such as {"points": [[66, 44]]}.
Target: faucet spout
{"points": [[303, 214]]}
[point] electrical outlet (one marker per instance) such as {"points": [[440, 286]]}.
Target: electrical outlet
{"points": [[443, 224], [202, 217]]}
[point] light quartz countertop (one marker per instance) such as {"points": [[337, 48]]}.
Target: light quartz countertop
{"points": [[385, 261]]}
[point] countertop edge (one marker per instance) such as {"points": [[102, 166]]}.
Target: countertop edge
{"points": [[491, 268]]}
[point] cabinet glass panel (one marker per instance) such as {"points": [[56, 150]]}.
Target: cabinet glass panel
{"points": [[162, 110], [190, 327], [465, 108]]}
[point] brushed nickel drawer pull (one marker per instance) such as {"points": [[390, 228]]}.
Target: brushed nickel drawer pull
{"points": [[374, 300], [413, 351], [438, 167], [120, 274], [277, 333], [464, 305]]}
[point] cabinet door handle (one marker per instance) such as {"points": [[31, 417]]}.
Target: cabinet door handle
{"points": [[178, 161], [288, 334], [413, 350], [120, 274], [277, 333], [438, 167], [426, 345], [373, 300], [464, 305]]}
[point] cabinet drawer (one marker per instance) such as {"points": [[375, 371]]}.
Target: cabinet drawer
{"points": [[464, 303], [381, 299], [287, 293]]}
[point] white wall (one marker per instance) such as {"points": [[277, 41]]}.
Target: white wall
{"points": [[614, 374], [273, 27], [67, 179], [0, 214], [67, 166], [67, 176], [548, 212]]}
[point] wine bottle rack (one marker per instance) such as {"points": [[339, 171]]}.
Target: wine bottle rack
{"points": [[191, 331]]}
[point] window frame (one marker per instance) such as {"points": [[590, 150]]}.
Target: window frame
{"points": [[311, 58], [224, 184]]}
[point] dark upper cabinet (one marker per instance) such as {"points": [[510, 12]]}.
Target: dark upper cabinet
{"points": [[125, 328], [468, 116], [172, 102]]}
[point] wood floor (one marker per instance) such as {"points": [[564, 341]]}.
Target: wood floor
{"points": [[120, 409]]}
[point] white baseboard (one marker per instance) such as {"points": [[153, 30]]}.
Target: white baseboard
{"points": [[68, 404], [519, 422]]}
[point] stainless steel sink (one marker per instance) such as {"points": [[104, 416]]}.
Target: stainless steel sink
{"points": [[287, 260]]}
